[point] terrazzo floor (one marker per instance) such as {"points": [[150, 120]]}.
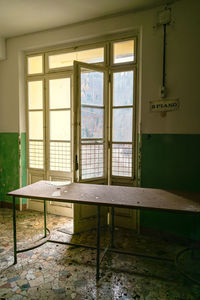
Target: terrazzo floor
{"points": [[55, 271]]}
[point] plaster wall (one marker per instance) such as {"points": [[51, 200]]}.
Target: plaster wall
{"points": [[182, 72], [183, 44], [2, 48]]}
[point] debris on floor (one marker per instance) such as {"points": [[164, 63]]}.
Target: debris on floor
{"points": [[55, 271]]}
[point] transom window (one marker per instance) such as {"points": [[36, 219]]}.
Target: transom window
{"points": [[66, 59]]}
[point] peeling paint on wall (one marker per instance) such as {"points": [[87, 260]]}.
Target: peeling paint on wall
{"points": [[9, 165]]}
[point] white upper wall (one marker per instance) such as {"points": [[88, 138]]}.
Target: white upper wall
{"points": [[182, 70], [2, 48], [182, 61]]}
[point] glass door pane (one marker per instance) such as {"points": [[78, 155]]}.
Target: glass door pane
{"points": [[123, 88], [60, 125], [92, 90], [59, 116], [59, 93], [35, 124], [122, 124], [92, 120], [122, 160], [92, 124], [35, 94]]}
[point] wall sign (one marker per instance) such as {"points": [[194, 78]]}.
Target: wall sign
{"points": [[164, 105]]}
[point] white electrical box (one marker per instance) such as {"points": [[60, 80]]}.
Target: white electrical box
{"points": [[164, 16]]}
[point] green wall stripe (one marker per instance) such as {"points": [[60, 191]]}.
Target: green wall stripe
{"points": [[171, 161], [23, 163], [9, 164]]}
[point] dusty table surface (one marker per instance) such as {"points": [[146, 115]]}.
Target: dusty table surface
{"points": [[118, 196]]}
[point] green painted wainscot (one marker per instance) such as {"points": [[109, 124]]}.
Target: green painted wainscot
{"points": [[168, 161], [23, 164], [9, 165], [171, 161]]}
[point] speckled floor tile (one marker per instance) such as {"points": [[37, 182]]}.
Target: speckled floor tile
{"points": [[55, 271]]}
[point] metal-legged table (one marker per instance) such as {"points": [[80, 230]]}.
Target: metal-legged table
{"points": [[111, 196]]}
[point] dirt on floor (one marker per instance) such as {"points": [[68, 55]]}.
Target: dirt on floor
{"points": [[56, 271]]}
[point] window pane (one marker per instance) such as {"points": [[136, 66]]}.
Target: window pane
{"points": [[35, 94], [35, 64], [91, 122], [123, 52], [123, 88], [122, 124], [62, 60], [36, 154], [92, 88], [67, 59], [92, 157], [60, 125], [91, 56], [122, 160], [59, 93], [36, 125], [60, 156]]}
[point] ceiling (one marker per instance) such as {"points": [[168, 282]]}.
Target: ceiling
{"points": [[18, 17]]}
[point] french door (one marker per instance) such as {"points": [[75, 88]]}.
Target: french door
{"points": [[90, 138], [123, 138], [104, 137], [50, 135]]}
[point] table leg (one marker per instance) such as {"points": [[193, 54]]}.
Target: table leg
{"points": [[14, 231], [195, 244], [112, 227], [45, 219], [98, 241]]}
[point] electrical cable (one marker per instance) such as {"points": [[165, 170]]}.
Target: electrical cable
{"points": [[164, 54]]}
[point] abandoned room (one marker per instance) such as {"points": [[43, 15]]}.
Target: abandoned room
{"points": [[99, 149]]}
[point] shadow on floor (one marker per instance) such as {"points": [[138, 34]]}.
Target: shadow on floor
{"points": [[55, 271]]}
